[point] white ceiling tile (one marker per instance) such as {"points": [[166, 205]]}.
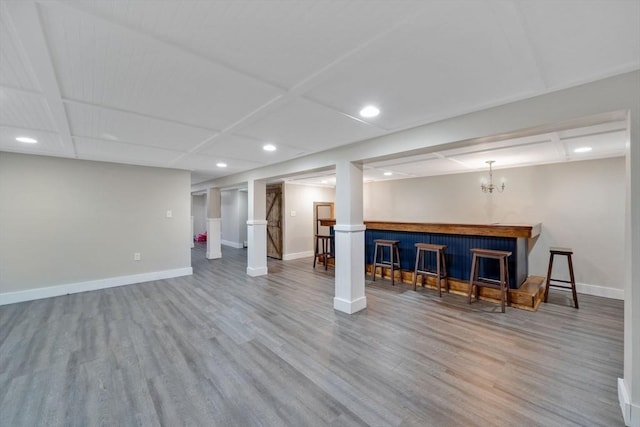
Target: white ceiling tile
{"points": [[15, 70], [109, 65], [282, 42], [114, 151], [24, 109], [577, 41], [239, 147], [512, 156], [310, 127], [93, 122], [439, 64], [48, 143]]}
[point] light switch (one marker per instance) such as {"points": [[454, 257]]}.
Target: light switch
{"points": [[169, 214], [293, 213]]}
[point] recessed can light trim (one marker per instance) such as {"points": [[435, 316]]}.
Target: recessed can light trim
{"points": [[582, 150], [26, 140], [269, 147], [369, 111], [221, 165]]}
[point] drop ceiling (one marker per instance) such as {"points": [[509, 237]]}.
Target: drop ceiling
{"points": [[191, 84]]}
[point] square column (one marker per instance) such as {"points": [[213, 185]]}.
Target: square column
{"points": [[349, 236], [629, 386], [257, 229], [214, 226]]}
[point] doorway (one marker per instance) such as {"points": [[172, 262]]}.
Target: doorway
{"points": [[274, 221], [322, 210]]}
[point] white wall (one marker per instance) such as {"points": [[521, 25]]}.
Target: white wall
{"points": [[199, 213], [65, 224], [580, 205], [233, 208], [299, 229]]}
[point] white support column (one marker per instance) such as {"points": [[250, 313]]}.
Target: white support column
{"points": [[349, 238], [214, 226], [629, 386], [192, 243], [257, 229]]}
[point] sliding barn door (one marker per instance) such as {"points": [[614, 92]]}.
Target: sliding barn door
{"points": [[274, 221]]}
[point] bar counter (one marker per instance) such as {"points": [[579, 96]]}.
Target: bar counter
{"points": [[459, 239]]}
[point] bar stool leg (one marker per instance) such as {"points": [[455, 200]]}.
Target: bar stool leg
{"points": [[415, 270], [324, 253], [546, 288], [502, 285], [472, 277], [444, 269], [315, 253], [398, 258], [573, 282], [438, 278], [375, 261], [391, 258]]}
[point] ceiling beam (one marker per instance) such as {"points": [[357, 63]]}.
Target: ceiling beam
{"points": [[28, 25]]}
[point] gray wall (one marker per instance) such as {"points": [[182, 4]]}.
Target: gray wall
{"points": [[580, 205], [64, 221]]}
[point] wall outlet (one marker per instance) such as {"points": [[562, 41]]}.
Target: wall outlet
{"points": [[136, 256], [169, 214]]}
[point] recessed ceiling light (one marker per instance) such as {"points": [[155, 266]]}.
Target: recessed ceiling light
{"points": [[221, 165], [26, 140], [369, 111], [388, 173], [324, 181], [269, 147], [582, 150]]}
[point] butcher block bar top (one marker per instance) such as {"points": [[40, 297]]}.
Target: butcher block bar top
{"points": [[493, 230]]}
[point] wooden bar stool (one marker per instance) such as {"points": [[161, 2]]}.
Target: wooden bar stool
{"points": [[326, 244], [502, 284], [440, 273], [566, 252], [393, 263]]}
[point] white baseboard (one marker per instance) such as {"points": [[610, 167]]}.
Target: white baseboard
{"points": [[92, 285], [296, 255], [255, 272], [630, 412], [595, 290], [600, 291], [232, 244], [350, 307], [213, 255]]}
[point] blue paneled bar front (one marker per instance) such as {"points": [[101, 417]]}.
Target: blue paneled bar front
{"points": [[459, 238]]}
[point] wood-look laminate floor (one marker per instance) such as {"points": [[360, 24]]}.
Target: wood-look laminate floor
{"points": [[220, 348]]}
